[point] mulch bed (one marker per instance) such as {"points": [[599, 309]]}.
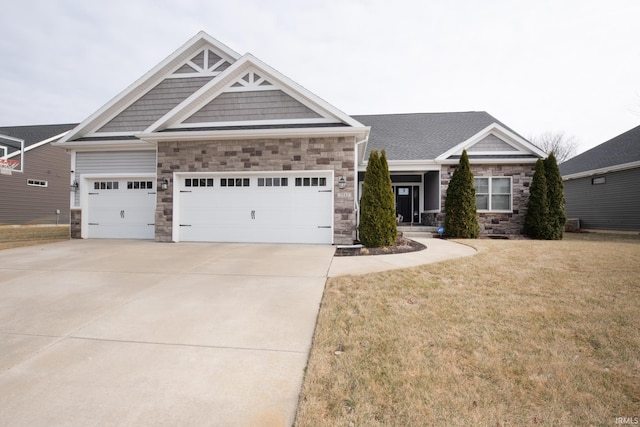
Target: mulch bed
{"points": [[403, 245]]}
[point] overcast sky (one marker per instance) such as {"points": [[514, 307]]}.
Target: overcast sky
{"points": [[571, 66]]}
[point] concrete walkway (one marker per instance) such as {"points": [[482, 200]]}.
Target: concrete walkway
{"points": [[437, 250]]}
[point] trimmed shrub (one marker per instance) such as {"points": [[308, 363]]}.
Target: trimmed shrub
{"points": [[461, 218], [555, 198], [536, 220], [377, 206]]}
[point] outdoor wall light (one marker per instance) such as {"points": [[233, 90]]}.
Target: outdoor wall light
{"points": [[75, 185], [342, 183], [165, 184]]}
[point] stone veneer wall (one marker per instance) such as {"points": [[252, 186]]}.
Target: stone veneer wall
{"points": [[498, 222], [76, 223], [288, 154]]}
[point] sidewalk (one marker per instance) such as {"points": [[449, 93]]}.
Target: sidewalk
{"points": [[437, 250]]}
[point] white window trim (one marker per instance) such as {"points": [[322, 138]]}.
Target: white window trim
{"points": [[32, 183], [490, 194]]}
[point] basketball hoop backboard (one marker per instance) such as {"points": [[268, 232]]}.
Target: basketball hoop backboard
{"points": [[11, 155]]}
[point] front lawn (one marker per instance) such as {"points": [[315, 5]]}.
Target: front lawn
{"points": [[524, 333], [15, 236]]}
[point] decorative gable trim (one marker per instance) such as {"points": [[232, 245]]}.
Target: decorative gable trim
{"points": [[515, 146], [167, 68], [249, 74]]}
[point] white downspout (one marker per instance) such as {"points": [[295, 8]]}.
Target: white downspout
{"points": [[356, 204]]}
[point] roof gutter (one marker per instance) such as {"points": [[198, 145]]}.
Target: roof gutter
{"points": [[356, 203], [251, 134], [600, 171]]}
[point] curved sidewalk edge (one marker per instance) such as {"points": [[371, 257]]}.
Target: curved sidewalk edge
{"points": [[437, 250]]}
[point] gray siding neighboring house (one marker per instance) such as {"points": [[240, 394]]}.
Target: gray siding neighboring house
{"points": [[602, 185], [34, 195]]}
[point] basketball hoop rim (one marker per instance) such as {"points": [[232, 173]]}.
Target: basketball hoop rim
{"points": [[7, 166]]}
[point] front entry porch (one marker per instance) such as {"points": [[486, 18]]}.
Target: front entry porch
{"points": [[415, 193]]}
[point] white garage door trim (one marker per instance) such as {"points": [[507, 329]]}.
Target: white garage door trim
{"points": [[84, 188], [178, 187]]}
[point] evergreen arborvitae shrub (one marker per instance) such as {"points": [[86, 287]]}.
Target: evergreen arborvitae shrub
{"points": [[387, 202], [536, 220], [555, 198], [377, 208], [461, 218]]}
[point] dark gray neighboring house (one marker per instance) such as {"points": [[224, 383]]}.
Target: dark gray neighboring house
{"points": [[602, 185], [33, 195]]}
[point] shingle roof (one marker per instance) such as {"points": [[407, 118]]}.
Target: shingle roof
{"points": [[422, 136], [34, 134], [624, 148]]}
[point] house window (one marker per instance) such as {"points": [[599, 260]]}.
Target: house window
{"points": [[598, 180], [493, 193], [37, 183]]}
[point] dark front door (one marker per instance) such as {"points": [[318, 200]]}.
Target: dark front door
{"points": [[403, 203]]}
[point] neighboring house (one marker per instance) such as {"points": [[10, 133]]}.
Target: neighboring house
{"points": [[602, 185], [211, 145], [37, 192]]}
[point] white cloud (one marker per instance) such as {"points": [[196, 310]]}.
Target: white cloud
{"points": [[537, 66]]}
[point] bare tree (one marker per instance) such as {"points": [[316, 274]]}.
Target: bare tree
{"points": [[562, 146]]}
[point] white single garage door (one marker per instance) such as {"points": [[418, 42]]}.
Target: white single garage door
{"points": [[122, 208], [275, 208]]}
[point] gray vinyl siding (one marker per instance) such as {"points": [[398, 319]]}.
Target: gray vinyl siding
{"points": [[154, 104], [115, 162], [24, 204], [491, 143], [614, 205], [247, 106]]}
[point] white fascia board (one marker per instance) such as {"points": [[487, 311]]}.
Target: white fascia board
{"points": [[601, 171], [252, 134], [409, 165], [46, 141], [223, 82], [412, 165], [107, 145], [146, 83], [254, 123], [473, 161], [510, 138]]}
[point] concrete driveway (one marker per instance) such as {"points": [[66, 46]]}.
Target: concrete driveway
{"points": [[107, 332]]}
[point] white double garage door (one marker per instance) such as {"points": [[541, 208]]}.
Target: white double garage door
{"points": [[290, 207]]}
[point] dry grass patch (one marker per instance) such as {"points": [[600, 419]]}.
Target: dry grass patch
{"points": [[524, 333], [12, 236]]}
